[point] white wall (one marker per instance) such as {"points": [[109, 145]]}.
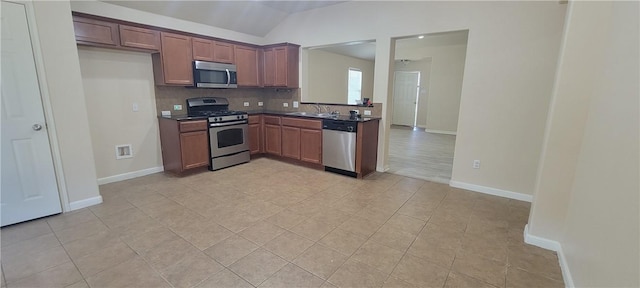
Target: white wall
{"points": [[114, 80], [64, 90], [94, 7], [511, 57], [445, 88], [328, 75], [596, 221]]}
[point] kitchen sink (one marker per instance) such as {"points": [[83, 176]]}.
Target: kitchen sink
{"points": [[311, 114]]}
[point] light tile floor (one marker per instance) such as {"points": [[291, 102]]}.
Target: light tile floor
{"points": [[272, 224]]}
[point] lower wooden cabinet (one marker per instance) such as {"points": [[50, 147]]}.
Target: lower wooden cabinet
{"points": [[185, 144], [255, 134], [272, 140], [291, 142], [311, 145]]}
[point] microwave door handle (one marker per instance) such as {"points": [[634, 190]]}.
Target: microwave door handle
{"points": [[228, 77]]}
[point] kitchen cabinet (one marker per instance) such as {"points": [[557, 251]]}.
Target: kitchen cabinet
{"points": [[202, 49], [255, 134], [272, 135], [92, 32], [213, 51], [224, 52], [367, 147], [281, 65], [302, 139], [311, 145], [140, 38], [185, 144], [173, 66], [291, 142], [247, 59]]}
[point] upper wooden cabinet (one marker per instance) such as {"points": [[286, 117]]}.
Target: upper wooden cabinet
{"points": [[173, 66], [224, 52], [247, 60], [202, 49], [281, 65], [141, 38], [91, 32], [214, 51]]}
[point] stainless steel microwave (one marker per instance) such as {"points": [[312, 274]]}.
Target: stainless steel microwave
{"points": [[214, 75]]}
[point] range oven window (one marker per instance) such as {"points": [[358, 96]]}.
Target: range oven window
{"points": [[230, 137]]}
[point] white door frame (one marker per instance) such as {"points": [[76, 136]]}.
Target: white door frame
{"points": [[46, 103]]}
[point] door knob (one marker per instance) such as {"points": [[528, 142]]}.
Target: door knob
{"points": [[36, 127]]}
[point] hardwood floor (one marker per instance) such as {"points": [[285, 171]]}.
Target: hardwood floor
{"points": [[422, 155]]}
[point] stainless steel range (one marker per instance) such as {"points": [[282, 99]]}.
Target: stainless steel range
{"points": [[228, 135]]}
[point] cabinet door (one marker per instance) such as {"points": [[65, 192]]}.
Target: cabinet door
{"points": [[89, 31], [176, 59], [254, 138], [247, 66], [280, 68], [311, 145], [223, 52], [291, 142], [269, 67], [202, 49], [272, 140], [142, 38], [194, 147]]}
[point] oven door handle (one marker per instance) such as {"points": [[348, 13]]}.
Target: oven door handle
{"points": [[228, 77], [227, 123]]}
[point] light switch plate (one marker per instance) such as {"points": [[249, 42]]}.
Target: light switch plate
{"points": [[295, 104], [177, 107], [285, 104], [166, 113], [135, 107], [260, 104], [367, 112], [246, 104]]}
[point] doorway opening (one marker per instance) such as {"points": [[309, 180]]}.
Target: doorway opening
{"points": [[428, 72]]}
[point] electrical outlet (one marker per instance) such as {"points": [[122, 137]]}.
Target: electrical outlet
{"points": [[246, 104], [135, 107], [285, 104], [166, 113], [295, 104], [260, 103], [177, 107], [367, 112], [476, 164]]}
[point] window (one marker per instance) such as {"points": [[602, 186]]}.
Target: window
{"points": [[355, 85]]}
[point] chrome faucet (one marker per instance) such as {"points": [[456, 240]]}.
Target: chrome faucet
{"points": [[318, 107]]}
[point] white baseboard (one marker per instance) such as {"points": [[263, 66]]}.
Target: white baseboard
{"points": [[75, 205], [129, 175], [440, 131], [554, 246], [491, 191]]}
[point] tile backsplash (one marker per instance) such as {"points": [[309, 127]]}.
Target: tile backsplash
{"points": [[273, 99]]}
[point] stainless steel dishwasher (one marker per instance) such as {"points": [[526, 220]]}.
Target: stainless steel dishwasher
{"points": [[339, 146]]}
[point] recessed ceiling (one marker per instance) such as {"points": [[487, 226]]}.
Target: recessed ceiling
{"points": [[249, 17]]}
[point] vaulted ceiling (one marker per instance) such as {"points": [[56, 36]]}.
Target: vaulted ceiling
{"points": [[256, 17]]}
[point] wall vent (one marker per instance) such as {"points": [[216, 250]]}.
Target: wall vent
{"points": [[124, 151]]}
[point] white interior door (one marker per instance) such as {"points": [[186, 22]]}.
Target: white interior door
{"points": [[405, 97], [29, 188]]}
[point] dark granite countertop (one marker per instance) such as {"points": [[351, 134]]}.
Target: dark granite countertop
{"points": [[340, 117], [184, 117]]}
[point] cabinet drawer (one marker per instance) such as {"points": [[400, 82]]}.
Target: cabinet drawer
{"points": [[302, 123], [274, 120], [254, 119], [187, 126]]}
